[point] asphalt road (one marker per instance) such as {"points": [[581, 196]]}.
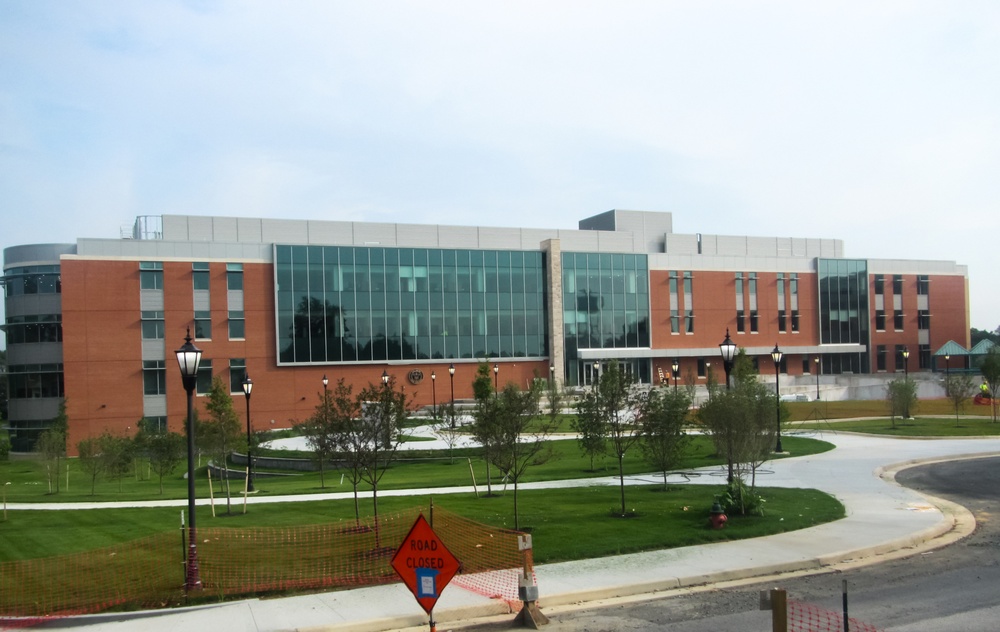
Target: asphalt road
{"points": [[955, 588]]}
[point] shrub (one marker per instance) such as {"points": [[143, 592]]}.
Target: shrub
{"points": [[740, 500]]}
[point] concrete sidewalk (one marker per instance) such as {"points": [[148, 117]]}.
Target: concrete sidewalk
{"points": [[882, 519]]}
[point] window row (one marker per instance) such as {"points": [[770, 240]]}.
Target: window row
{"points": [[32, 280], [154, 376]]}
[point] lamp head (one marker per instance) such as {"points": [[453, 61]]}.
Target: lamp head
{"points": [[728, 348], [188, 357]]}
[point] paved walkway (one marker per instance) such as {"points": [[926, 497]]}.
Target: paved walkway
{"points": [[882, 518]]}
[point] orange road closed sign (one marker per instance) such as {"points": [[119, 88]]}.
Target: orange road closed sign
{"points": [[424, 563]]}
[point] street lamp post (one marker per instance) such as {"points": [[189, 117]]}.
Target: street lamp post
{"points": [[728, 349], [496, 378], [947, 364], [676, 367], [552, 374], [451, 376], [5, 485], [906, 379], [776, 356], [818, 368], [247, 387], [188, 359], [434, 397], [597, 373]]}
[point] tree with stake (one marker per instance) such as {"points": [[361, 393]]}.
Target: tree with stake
{"points": [[323, 430], [89, 456], [615, 402], [959, 389], [222, 432], [484, 426], [377, 433], [662, 416], [517, 448], [166, 453]]}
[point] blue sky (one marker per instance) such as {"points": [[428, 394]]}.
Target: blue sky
{"points": [[875, 123]]}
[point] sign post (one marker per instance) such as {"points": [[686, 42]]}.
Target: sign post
{"points": [[425, 565]]}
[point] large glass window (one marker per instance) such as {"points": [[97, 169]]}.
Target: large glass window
{"points": [[203, 385], [923, 284], [237, 325], [237, 373], [30, 381], [234, 276], [360, 304], [203, 324], [844, 315], [34, 329]]}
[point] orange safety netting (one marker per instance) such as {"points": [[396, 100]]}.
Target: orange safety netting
{"points": [[804, 617], [150, 573]]}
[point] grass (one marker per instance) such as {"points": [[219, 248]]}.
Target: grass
{"points": [[802, 411], [916, 427], [417, 469], [566, 524]]}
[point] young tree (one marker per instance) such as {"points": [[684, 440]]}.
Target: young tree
{"points": [[166, 451], [222, 432], [591, 428], [443, 427], [517, 445], [614, 402], [959, 388], [375, 435], [990, 368], [741, 420], [901, 398], [116, 455], [484, 424], [51, 444], [89, 451], [323, 429], [662, 416]]}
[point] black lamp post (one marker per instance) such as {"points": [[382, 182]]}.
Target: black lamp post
{"points": [[552, 374], [906, 378], [385, 378], [188, 359], [434, 397], [247, 387], [326, 399], [676, 367], [818, 369], [728, 349], [451, 376], [776, 355], [597, 373], [947, 363], [496, 378]]}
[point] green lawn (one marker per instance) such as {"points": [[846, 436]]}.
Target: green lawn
{"points": [[566, 524], [916, 427], [414, 469], [801, 411]]}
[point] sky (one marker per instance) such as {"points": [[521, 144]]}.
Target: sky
{"points": [[877, 123]]}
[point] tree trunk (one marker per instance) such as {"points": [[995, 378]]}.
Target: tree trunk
{"points": [[621, 480]]}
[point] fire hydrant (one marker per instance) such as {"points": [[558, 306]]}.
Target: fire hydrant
{"points": [[718, 517]]}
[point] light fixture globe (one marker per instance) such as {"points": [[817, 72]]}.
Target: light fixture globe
{"points": [[728, 348], [188, 357], [776, 354]]}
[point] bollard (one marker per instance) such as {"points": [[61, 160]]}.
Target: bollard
{"points": [[530, 616]]}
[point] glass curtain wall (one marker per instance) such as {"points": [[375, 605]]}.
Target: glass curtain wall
{"points": [[361, 304], [844, 316], [605, 306]]}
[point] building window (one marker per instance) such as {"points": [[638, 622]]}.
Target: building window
{"points": [[897, 319], [154, 377], [879, 320], [900, 360], [781, 320], [204, 384], [880, 284], [237, 326], [880, 358], [675, 321], [702, 367], [795, 320], [897, 284], [203, 324], [924, 355], [688, 302], [199, 275], [31, 280], [153, 425], [805, 366], [740, 318], [31, 381], [237, 373], [234, 276], [34, 329], [923, 319], [689, 322], [151, 275], [923, 284], [753, 321], [152, 326]]}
